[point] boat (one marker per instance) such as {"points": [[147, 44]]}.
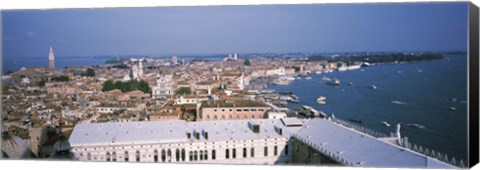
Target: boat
{"points": [[342, 68], [318, 72], [294, 97], [365, 64], [321, 100], [350, 83], [453, 108], [308, 78], [416, 126], [293, 100], [453, 99], [354, 67], [373, 87], [386, 123], [334, 82]]}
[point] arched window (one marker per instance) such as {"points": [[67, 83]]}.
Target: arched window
{"points": [[275, 150], [205, 155], [108, 157], [252, 152], [201, 155], [234, 153], [169, 155], [244, 152], [163, 155], [155, 155], [114, 156], [214, 156], [177, 155], [190, 156], [89, 156], [265, 151], [214, 117], [195, 155], [227, 154], [126, 156], [137, 156], [183, 154]]}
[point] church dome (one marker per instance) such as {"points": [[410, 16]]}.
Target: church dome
{"points": [[61, 149], [14, 147], [61, 145]]}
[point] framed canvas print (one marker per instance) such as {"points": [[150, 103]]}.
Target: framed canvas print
{"points": [[377, 85]]}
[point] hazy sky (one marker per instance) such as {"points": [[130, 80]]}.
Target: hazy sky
{"points": [[226, 29]]}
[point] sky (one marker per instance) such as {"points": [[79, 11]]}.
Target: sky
{"points": [[240, 29]]}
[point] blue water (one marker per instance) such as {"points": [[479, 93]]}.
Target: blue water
{"points": [[423, 97], [15, 64]]}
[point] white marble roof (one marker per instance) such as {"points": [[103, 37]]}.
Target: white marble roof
{"points": [[361, 149], [119, 133]]}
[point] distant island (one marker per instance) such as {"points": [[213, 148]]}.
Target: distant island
{"points": [[380, 58]]}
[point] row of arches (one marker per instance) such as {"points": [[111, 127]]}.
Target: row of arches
{"points": [[180, 155]]}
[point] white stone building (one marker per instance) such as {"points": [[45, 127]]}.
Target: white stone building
{"points": [[256, 141], [164, 87], [189, 100]]}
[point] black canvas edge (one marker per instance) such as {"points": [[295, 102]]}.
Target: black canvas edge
{"points": [[473, 55]]}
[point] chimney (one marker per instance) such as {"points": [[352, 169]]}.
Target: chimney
{"points": [[205, 134], [279, 130], [255, 127], [197, 135]]}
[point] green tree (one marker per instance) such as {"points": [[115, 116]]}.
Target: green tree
{"points": [[184, 90], [61, 78], [121, 86], [108, 85], [247, 62], [132, 85], [41, 83], [143, 86]]}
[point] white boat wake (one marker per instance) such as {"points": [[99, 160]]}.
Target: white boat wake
{"points": [[399, 102]]}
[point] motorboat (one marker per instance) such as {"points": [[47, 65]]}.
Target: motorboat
{"points": [[334, 82], [416, 126], [373, 87], [321, 100], [386, 123]]}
